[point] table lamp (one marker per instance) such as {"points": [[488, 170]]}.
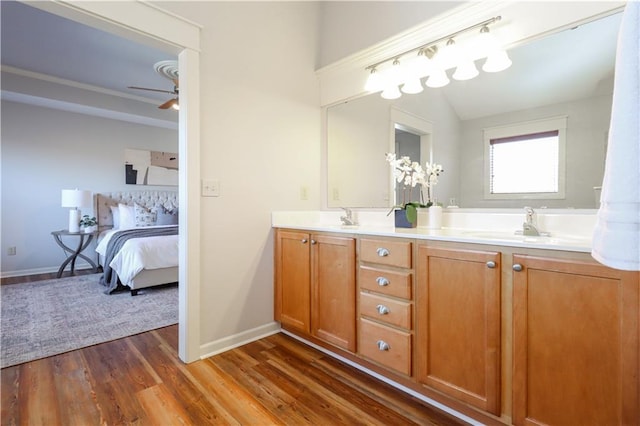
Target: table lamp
{"points": [[75, 198]]}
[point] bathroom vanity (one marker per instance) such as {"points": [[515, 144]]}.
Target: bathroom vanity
{"points": [[501, 328]]}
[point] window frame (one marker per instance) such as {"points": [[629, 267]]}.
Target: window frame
{"points": [[558, 123]]}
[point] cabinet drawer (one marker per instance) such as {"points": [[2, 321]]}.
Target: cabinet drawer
{"points": [[390, 311], [398, 284], [386, 252], [386, 346]]}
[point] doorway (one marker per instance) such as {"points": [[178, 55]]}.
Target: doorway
{"points": [[151, 25]]}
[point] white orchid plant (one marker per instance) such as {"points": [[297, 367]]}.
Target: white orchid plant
{"points": [[411, 174]]}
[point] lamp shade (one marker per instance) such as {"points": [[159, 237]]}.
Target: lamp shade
{"points": [[437, 79], [76, 198], [497, 61]]}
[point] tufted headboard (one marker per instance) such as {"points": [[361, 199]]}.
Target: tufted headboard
{"points": [[104, 200]]}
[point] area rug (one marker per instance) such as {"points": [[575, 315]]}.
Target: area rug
{"points": [[45, 318]]}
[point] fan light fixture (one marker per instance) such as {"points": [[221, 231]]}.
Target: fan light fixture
{"points": [[432, 63], [167, 69]]}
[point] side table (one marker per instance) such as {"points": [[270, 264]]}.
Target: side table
{"points": [[85, 240]]}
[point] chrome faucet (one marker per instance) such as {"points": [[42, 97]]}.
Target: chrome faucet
{"points": [[529, 228], [348, 219]]}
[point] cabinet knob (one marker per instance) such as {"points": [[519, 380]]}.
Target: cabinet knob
{"points": [[382, 281], [304, 241], [382, 252], [382, 310], [517, 267], [382, 345], [491, 264], [313, 241]]}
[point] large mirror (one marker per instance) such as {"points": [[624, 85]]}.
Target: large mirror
{"points": [[567, 74]]}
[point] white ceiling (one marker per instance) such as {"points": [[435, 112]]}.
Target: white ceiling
{"points": [[38, 41]]}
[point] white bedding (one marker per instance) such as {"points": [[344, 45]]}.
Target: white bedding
{"points": [[138, 254]]}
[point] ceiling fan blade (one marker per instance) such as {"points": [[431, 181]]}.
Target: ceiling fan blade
{"points": [[169, 103], [152, 90]]}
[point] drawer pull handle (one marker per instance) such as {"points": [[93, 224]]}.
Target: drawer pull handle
{"points": [[382, 281], [382, 252], [304, 241], [517, 267], [382, 345], [313, 241], [491, 264], [382, 310]]}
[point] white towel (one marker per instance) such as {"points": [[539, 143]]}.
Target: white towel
{"points": [[616, 238]]}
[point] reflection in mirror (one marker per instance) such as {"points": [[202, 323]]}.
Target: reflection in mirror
{"points": [[407, 144], [569, 73]]}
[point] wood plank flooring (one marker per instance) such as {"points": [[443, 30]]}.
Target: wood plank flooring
{"points": [[140, 380]]}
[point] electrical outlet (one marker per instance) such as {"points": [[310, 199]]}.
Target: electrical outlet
{"points": [[336, 194], [210, 188], [304, 193], [11, 251]]}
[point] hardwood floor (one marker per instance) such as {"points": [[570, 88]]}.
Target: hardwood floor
{"points": [[140, 380]]}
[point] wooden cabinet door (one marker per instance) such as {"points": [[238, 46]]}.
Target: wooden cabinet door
{"points": [[292, 293], [333, 297], [575, 343], [458, 324]]}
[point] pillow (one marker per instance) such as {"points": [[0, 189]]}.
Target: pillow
{"points": [[144, 216], [115, 214], [165, 216], [127, 216]]}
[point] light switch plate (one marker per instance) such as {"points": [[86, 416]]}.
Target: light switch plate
{"points": [[210, 188]]}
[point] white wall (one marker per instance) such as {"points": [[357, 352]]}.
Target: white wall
{"points": [[587, 127], [46, 150], [260, 132], [350, 26]]}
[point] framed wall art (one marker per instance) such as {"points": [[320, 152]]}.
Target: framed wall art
{"points": [[142, 167]]}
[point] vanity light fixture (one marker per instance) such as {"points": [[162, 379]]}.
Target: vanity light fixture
{"points": [[433, 64], [465, 66], [437, 74], [392, 80], [497, 58], [374, 82], [438, 78], [416, 68]]}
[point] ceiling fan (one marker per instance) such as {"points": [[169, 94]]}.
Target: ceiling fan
{"points": [[168, 69]]}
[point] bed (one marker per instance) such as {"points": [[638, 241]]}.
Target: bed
{"points": [[138, 242]]}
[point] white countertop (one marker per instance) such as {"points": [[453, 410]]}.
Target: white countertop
{"points": [[569, 231]]}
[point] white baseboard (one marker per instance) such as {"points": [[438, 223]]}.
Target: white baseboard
{"points": [[47, 270], [222, 345]]}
